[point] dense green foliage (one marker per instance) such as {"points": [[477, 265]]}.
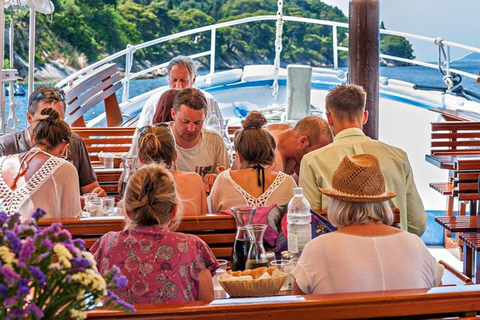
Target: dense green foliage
{"points": [[84, 31]]}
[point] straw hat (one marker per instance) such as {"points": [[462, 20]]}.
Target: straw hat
{"points": [[359, 179]]}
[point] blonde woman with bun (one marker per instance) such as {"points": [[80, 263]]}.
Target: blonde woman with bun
{"points": [[161, 265], [252, 184], [40, 178], [157, 145]]}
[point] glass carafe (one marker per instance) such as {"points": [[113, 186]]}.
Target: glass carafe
{"points": [[129, 167], [243, 217], [257, 256]]}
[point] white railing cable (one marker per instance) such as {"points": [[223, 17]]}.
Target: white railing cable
{"points": [[278, 48], [213, 28]]}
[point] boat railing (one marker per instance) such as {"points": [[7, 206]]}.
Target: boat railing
{"points": [[129, 52]]}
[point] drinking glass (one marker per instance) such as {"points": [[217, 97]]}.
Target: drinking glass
{"points": [[95, 207], [86, 198], [222, 269], [108, 204], [284, 266]]}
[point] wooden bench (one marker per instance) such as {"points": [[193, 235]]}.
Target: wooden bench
{"points": [[399, 304], [471, 247], [458, 115], [88, 90], [217, 230]]}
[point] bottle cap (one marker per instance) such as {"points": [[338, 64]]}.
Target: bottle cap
{"points": [[298, 191]]}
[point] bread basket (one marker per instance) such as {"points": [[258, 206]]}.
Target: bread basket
{"points": [[253, 288]]}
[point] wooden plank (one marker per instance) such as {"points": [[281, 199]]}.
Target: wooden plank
{"points": [[399, 304]]}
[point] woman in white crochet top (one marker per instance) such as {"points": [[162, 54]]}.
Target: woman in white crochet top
{"points": [[252, 184], [40, 178]]}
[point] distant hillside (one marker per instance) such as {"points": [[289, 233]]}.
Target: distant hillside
{"points": [[84, 31]]}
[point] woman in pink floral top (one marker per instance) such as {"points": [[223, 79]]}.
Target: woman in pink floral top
{"points": [[160, 265]]}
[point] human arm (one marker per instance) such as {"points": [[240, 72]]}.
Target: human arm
{"points": [[205, 284], [416, 216], [93, 187], [308, 181], [296, 289], [68, 190]]}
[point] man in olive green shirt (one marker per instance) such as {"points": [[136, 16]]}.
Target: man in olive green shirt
{"points": [[346, 115]]}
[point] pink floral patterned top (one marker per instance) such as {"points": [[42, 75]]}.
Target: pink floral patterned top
{"points": [[160, 265]]}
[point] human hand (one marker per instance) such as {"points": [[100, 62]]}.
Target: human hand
{"points": [[220, 169], [208, 181], [99, 191]]}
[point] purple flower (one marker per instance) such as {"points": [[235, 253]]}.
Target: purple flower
{"points": [[3, 291], [79, 243], [28, 248], [8, 302], [47, 244], [119, 302], [120, 281], [53, 228], [9, 275], [80, 262], [63, 235], [23, 288], [25, 228], [38, 214], [73, 250], [38, 274], [17, 313], [15, 242], [33, 309], [3, 217]]}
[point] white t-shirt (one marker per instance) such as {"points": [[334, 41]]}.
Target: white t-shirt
{"points": [[209, 153], [337, 262], [226, 193]]}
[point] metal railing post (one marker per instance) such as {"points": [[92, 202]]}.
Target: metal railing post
{"points": [[335, 48], [212, 50], [128, 68]]}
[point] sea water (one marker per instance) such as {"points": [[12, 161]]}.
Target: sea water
{"points": [[414, 74]]}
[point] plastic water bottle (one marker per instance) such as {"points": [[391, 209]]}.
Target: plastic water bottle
{"points": [[213, 123], [299, 223]]}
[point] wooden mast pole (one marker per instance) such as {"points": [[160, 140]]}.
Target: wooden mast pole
{"points": [[364, 55]]}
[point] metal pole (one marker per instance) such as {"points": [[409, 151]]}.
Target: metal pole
{"points": [[212, 50], [2, 94], [335, 48], [364, 56], [31, 52]]}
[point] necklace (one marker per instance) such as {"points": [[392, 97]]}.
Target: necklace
{"points": [[24, 161]]}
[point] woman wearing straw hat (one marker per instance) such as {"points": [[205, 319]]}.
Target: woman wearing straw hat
{"points": [[366, 253]]}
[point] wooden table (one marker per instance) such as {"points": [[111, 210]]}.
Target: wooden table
{"points": [[470, 226], [461, 301]]}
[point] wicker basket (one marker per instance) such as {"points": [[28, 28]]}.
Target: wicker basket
{"points": [[253, 288]]}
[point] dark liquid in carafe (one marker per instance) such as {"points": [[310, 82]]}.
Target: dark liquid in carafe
{"points": [[256, 264], [239, 254]]}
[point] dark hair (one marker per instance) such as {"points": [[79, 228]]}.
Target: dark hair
{"points": [[254, 143], [192, 98], [183, 61], [49, 130], [164, 106], [156, 144], [150, 196], [38, 96], [346, 101]]}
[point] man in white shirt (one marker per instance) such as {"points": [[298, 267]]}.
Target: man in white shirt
{"points": [[182, 73]]}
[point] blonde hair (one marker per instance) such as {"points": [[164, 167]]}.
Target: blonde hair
{"points": [[156, 144], [344, 213], [315, 128], [254, 143], [346, 101], [150, 197]]}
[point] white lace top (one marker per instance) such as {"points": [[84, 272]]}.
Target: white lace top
{"points": [[226, 193], [53, 188]]}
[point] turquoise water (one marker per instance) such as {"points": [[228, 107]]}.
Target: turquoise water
{"points": [[414, 74]]}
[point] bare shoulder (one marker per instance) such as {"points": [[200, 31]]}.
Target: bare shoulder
{"points": [[190, 177], [278, 127]]}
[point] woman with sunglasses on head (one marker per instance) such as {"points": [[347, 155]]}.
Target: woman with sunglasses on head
{"points": [[157, 144], [160, 265], [252, 184], [40, 178]]}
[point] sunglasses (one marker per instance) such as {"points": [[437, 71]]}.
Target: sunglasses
{"points": [[146, 129], [49, 95]]}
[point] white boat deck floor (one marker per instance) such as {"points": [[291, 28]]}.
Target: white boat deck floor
{"points": [[440, 253]]}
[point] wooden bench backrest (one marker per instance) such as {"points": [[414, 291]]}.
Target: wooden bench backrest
{"points": [[465, 179], [398, 304], [455, 138], [83, 94], [217, 230]]}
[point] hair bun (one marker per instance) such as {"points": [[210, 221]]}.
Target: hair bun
{"points": [[254, 120], [51, 115]]}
